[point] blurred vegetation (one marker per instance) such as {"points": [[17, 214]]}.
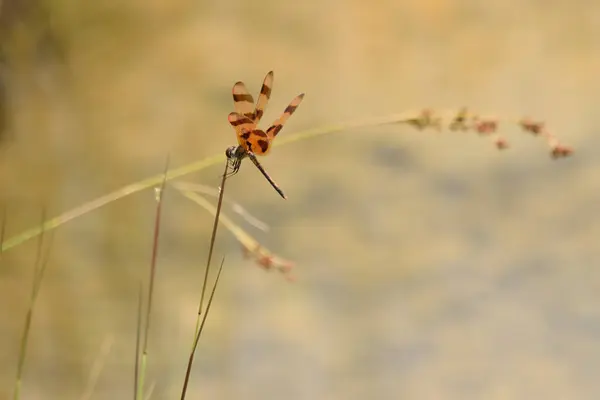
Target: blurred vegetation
{"points": [[427, 266]]}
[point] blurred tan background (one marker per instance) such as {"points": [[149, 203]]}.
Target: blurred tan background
{"points": [[428, 266]]}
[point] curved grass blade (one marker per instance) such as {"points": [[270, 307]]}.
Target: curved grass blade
{"points": [[235, 207], [419, 119], [97, 367], [251, 246]]}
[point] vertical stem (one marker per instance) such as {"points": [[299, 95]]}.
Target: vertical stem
{"points": [[212, 245]]}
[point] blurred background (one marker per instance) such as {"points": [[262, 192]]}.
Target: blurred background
{"points": [[429, 265]]}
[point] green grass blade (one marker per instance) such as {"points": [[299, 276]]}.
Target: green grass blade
{"points": [[414, 118]]}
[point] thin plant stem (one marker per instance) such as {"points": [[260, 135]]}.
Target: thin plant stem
{"points": [[150, 391], [156, 236], [157, 221], [97, 367], [199, 333], [138, 336], [40, 265], [212, 244], [3, 222]]}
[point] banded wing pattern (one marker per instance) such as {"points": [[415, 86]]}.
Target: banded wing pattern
{"points": [[263, 97], [251, 140], [279, 122], [244, 102]]}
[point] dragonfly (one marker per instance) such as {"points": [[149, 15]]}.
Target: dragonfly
{"points": [[252, 141]]}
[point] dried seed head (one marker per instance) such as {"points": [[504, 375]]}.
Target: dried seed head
{"points": [[534, 128], [267, 260], [459, 122], [560, 151], [501, 143], [486, 126]]}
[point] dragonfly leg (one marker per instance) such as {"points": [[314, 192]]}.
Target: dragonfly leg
{"points": [[234, 154]]}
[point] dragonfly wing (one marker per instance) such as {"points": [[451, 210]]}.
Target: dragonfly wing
{"points": [[263, 97], [243, 126], [243, 102], [279, 122]]}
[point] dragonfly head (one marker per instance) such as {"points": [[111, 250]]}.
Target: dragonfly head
{"points": [[230, 152], [234, 155], [235, 152]]}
